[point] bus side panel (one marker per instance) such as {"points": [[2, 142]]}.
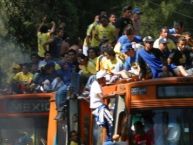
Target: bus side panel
{"points": [[85, 119], [52, 124]]}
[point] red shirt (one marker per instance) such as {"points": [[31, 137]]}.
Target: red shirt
{"points": [[141, 139]]}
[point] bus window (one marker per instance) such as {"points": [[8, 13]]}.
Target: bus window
{"points": [[69, 123], [165, 126], [175, 91], [20, 130]]}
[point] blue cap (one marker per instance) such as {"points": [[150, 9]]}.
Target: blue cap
{"points": [[163, 40], [126, 47], [136, 11]]}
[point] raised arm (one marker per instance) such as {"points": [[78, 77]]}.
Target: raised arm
{"points": [[42, 23], [53, 28]]}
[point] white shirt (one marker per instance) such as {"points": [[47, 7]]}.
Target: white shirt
{"points": [[156, 43], [95, 100]]}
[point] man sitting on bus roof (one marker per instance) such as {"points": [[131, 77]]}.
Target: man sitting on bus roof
{"points": [[180, 60], [153, 58], [130, 64]]}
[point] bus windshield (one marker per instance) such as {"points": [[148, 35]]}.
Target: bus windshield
{"points": [[23, 131], [162, 126]]}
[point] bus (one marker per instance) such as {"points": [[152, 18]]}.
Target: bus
{"points": [[27, 118], [163, 107]]}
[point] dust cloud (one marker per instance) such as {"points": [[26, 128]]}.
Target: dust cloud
{"points": [[10, 52]]}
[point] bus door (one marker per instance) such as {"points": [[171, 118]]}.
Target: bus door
{"points": [[120, 118], [69, 124], [85, 122], [71, 114], [116, 105], [119, 112], [24, 119]]}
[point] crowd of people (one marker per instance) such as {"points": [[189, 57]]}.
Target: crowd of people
{"points": [[113, 45]]}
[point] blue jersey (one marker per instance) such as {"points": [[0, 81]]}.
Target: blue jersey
{"points": [[128, 63], [124, 39], [151, 58]]}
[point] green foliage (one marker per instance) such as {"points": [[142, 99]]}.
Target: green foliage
{"points": [[22, 17], [158, 13]]}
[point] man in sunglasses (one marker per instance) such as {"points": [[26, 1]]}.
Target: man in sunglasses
{"points": [[151, 58]]}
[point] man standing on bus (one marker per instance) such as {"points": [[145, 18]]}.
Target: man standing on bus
{"points": [[101, 112]]}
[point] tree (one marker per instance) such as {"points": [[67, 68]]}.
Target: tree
{"points": [[158, 13], [24, 16], [21, 17]]}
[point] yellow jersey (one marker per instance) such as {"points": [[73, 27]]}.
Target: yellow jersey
{"points": [[42, 39], [23, 78]]}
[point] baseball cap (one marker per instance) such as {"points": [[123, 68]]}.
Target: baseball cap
{"points": [[148, 39], [163, 40], [136, 11], [100, 74], [126, 47]]}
